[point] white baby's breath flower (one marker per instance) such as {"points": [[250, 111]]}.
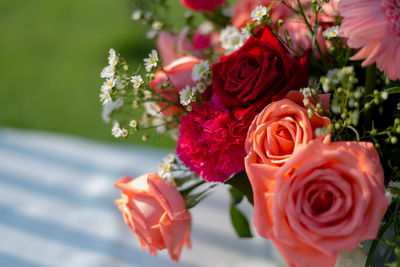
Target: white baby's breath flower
{"points": [[201, 87], [120, 83], [331, 32], [109, 107], [137, 81], [147, 94], [116, 130], [108, 85], [187, 95], [133, 124], [157, 25], [384, 95], [137, 14], [398, 106], [307, 92], [151, 34], [258, 13], [166, 167], [152, 61], [107, 72], [112, 58], [231, 39], [105, 97], [333, 75], [206, 27], [200, 70], [124, 132]]}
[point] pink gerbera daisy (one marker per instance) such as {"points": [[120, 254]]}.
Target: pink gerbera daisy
{"points": [[373, 26]]}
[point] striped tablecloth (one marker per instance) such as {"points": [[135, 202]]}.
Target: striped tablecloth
{"points": [[56, 208]]}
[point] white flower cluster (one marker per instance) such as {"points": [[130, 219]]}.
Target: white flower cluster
{"points": [[201, 75], [331, 32], [187, 95], [232, 39], [171, 167], [109, 74], [258, 13], [117, 131], [152, 61]]}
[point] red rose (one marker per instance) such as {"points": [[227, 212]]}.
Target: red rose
{"points": [[202, 5], [262, 70]]}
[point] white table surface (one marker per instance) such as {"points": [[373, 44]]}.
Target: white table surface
{"points": [[56, 208]]}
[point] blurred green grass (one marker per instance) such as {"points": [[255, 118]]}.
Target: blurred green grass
{"points": [[51, 54]]}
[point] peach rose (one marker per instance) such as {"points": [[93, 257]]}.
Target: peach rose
{"points": [[180, 73], [155, 211], [326, 198], [272, 137]]}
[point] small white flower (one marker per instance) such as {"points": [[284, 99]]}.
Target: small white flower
{"points": [[398, 106], [151, 61], [206, 27], [151, 34], [109, 107], [258, 13], [116, 130], [331, 32], [137, 14], [384, 95], [201, 87], [187, 95], [112, 58], [307, 92], [200, 70], [124, 132], [120, 83], [105, 97], [231, 39], [108, 85], [157, 25], [137, 81], [107, 72], [166, 168], [333, 75], [147, 94], [133, 124]]}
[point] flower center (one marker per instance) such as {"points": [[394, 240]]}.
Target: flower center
{"points": [[391, 9]]}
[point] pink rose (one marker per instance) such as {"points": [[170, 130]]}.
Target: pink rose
{"points": [[180, 73], [326, 198], [243, 9], [155, 211], [202, 5], [172, 47]]}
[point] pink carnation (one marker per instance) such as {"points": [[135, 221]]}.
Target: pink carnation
{"points": [[373, 26], [211, 142]]}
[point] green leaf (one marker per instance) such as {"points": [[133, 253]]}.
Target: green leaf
{"points": [[239, 222], [393, 90], [241, 182], [236, 195]]}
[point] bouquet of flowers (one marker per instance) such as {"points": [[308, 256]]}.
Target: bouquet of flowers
{"points": [[268, 97]]}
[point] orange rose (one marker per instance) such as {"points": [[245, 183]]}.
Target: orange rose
{"points": [[155, 211], [325, 199], [272, 137]]}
